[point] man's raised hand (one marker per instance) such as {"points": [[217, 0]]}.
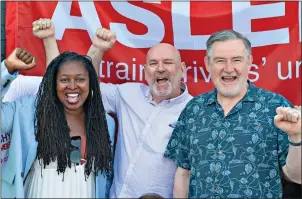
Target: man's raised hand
{"points": [[19, 59], [43, 28], [104, 39]]}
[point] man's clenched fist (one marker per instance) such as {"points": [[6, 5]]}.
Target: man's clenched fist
{"points": [[43, 28], [19, 59], [104, 39]]}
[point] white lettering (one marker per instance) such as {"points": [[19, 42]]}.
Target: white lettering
{"points": [[101, 69], [206, 78], [134, 69], [243, 13], [186, 73], [156, 28], [196, 75], [256, 74], [298, 64], [125, 70], [141, 72], [62, 19], [182, 28], [109, 64], [289, 74]]}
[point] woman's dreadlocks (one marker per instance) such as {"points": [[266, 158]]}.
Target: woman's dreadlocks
{"points": [[51, 128]]}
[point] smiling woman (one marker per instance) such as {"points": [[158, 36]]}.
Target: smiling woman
{"points": [[69, 125], [73, 85], [73, 78]]}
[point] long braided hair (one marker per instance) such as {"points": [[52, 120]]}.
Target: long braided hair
{"points": [[52, 130]]}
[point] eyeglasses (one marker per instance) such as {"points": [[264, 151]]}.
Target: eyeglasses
{"points": [[75, 154]]}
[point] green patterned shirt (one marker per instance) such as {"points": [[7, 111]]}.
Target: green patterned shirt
{"points": [[237, 156]]}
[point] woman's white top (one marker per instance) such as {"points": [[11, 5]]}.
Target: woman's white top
{"points": [[47, 183]]}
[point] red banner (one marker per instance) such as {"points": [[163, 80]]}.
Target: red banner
{"points": [[274, 29]]}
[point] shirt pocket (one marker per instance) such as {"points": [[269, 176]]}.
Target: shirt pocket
{"points": [[157, 140]]}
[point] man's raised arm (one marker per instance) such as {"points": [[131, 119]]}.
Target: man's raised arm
{"points": [[289, 121], [44, 29], [103, 40], [29, 85]]}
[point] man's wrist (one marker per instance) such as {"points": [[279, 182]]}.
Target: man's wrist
{"points": [[295, 139], [97, 49], [49, 39], [10, 69]]}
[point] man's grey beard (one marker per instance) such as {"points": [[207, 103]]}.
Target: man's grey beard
{"points": [[167, 91], [241, 84], [163, 93], [228, 94]]}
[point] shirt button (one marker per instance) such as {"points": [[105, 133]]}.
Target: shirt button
{"points": [[219, 153], [217, 188], [22, 174]]}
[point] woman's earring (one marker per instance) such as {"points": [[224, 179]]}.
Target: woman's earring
{"points": [[91, 93]]}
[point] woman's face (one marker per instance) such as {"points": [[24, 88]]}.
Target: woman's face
{"points": [[72, 85]]}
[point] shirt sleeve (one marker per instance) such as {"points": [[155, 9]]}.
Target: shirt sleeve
{"points": [[178, 148], [6, 79], [109, 94], [20, 86]]}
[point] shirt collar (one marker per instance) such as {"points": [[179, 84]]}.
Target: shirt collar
{"points": [[248, 97], [182, 97]]}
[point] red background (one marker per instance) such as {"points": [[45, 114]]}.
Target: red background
{"points": [[206, 18]]}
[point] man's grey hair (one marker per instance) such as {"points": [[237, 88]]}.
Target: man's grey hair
{"points": [[226, 35]]}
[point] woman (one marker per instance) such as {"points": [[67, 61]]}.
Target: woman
{"points": [[62, 133]]}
